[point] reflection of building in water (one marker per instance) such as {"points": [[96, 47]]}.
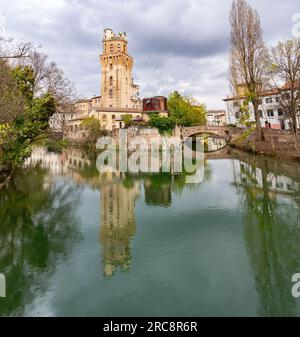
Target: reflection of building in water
{"points": [[211, 143], [118, 224], [246, 173], [215, 144], [55, 162], [58, 163]]}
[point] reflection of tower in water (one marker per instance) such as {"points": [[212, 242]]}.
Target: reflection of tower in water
{"points": [[118, 225]]}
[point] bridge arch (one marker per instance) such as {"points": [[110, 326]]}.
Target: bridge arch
{"points": [[227, 133]]}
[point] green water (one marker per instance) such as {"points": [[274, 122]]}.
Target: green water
{"points": [[76, 242]]}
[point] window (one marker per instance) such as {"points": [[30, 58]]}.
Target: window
{"points": [[269, 100], [113, 117], [280, 112], [260, 113], [111, 80], [279, 185], [285, 96], [110, 93], [104, 117], [270, 113], [235, 104], [110, 66], [277, 99]]}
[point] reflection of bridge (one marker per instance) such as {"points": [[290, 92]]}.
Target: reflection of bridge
{"points": [[227, 133], [224, 153]]}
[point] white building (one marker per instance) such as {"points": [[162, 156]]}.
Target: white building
{"points": [[270, 110], [216, 117]]}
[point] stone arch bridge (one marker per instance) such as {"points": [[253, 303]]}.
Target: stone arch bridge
{"points": [[229, 134]]}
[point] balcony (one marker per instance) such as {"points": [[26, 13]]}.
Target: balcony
{"points": [[134, 98]]}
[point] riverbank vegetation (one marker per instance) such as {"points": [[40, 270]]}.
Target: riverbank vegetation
{"points": [[32, 89]]}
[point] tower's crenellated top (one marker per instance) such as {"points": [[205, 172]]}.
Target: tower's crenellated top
{"points": [[117, 88], [110, 35]]}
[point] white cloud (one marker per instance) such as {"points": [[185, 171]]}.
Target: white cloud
{"points": [[180, 44]]}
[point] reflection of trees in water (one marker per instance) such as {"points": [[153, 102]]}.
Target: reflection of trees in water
{"points": [[119, 191], [273, 240], [37, 226]]}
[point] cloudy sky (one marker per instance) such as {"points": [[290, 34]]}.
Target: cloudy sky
{"points": [[177, 44]]}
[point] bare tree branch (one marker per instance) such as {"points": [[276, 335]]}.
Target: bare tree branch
{"points": [[248, 55], [284, 70]]}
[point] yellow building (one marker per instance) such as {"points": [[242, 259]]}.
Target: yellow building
{"points": [[117, 87], [119, 95]]}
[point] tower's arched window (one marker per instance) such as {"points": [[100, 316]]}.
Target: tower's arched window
{"points": [[110, 66], [111, 80], [110, 93]]}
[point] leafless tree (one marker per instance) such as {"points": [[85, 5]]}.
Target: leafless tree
{"points": [[248, 55], [10, 50], [285, 73], [49, 78]]}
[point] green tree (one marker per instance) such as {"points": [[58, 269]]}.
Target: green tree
{"points": [[165, 125], [127, 119], [186, 111], [92, 128], [24, 129]]}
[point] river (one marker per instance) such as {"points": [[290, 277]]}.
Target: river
{"points": [[75, 242]]}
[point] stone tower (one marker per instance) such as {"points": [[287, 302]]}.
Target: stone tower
{"points": [[117, 88]]}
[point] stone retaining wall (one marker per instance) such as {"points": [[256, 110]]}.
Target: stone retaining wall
{"points": [[281, 143]]}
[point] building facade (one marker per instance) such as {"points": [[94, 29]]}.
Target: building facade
{"points": [[216, 117], [117, 87], [156, 104], [270, 109], [119, 95]]}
